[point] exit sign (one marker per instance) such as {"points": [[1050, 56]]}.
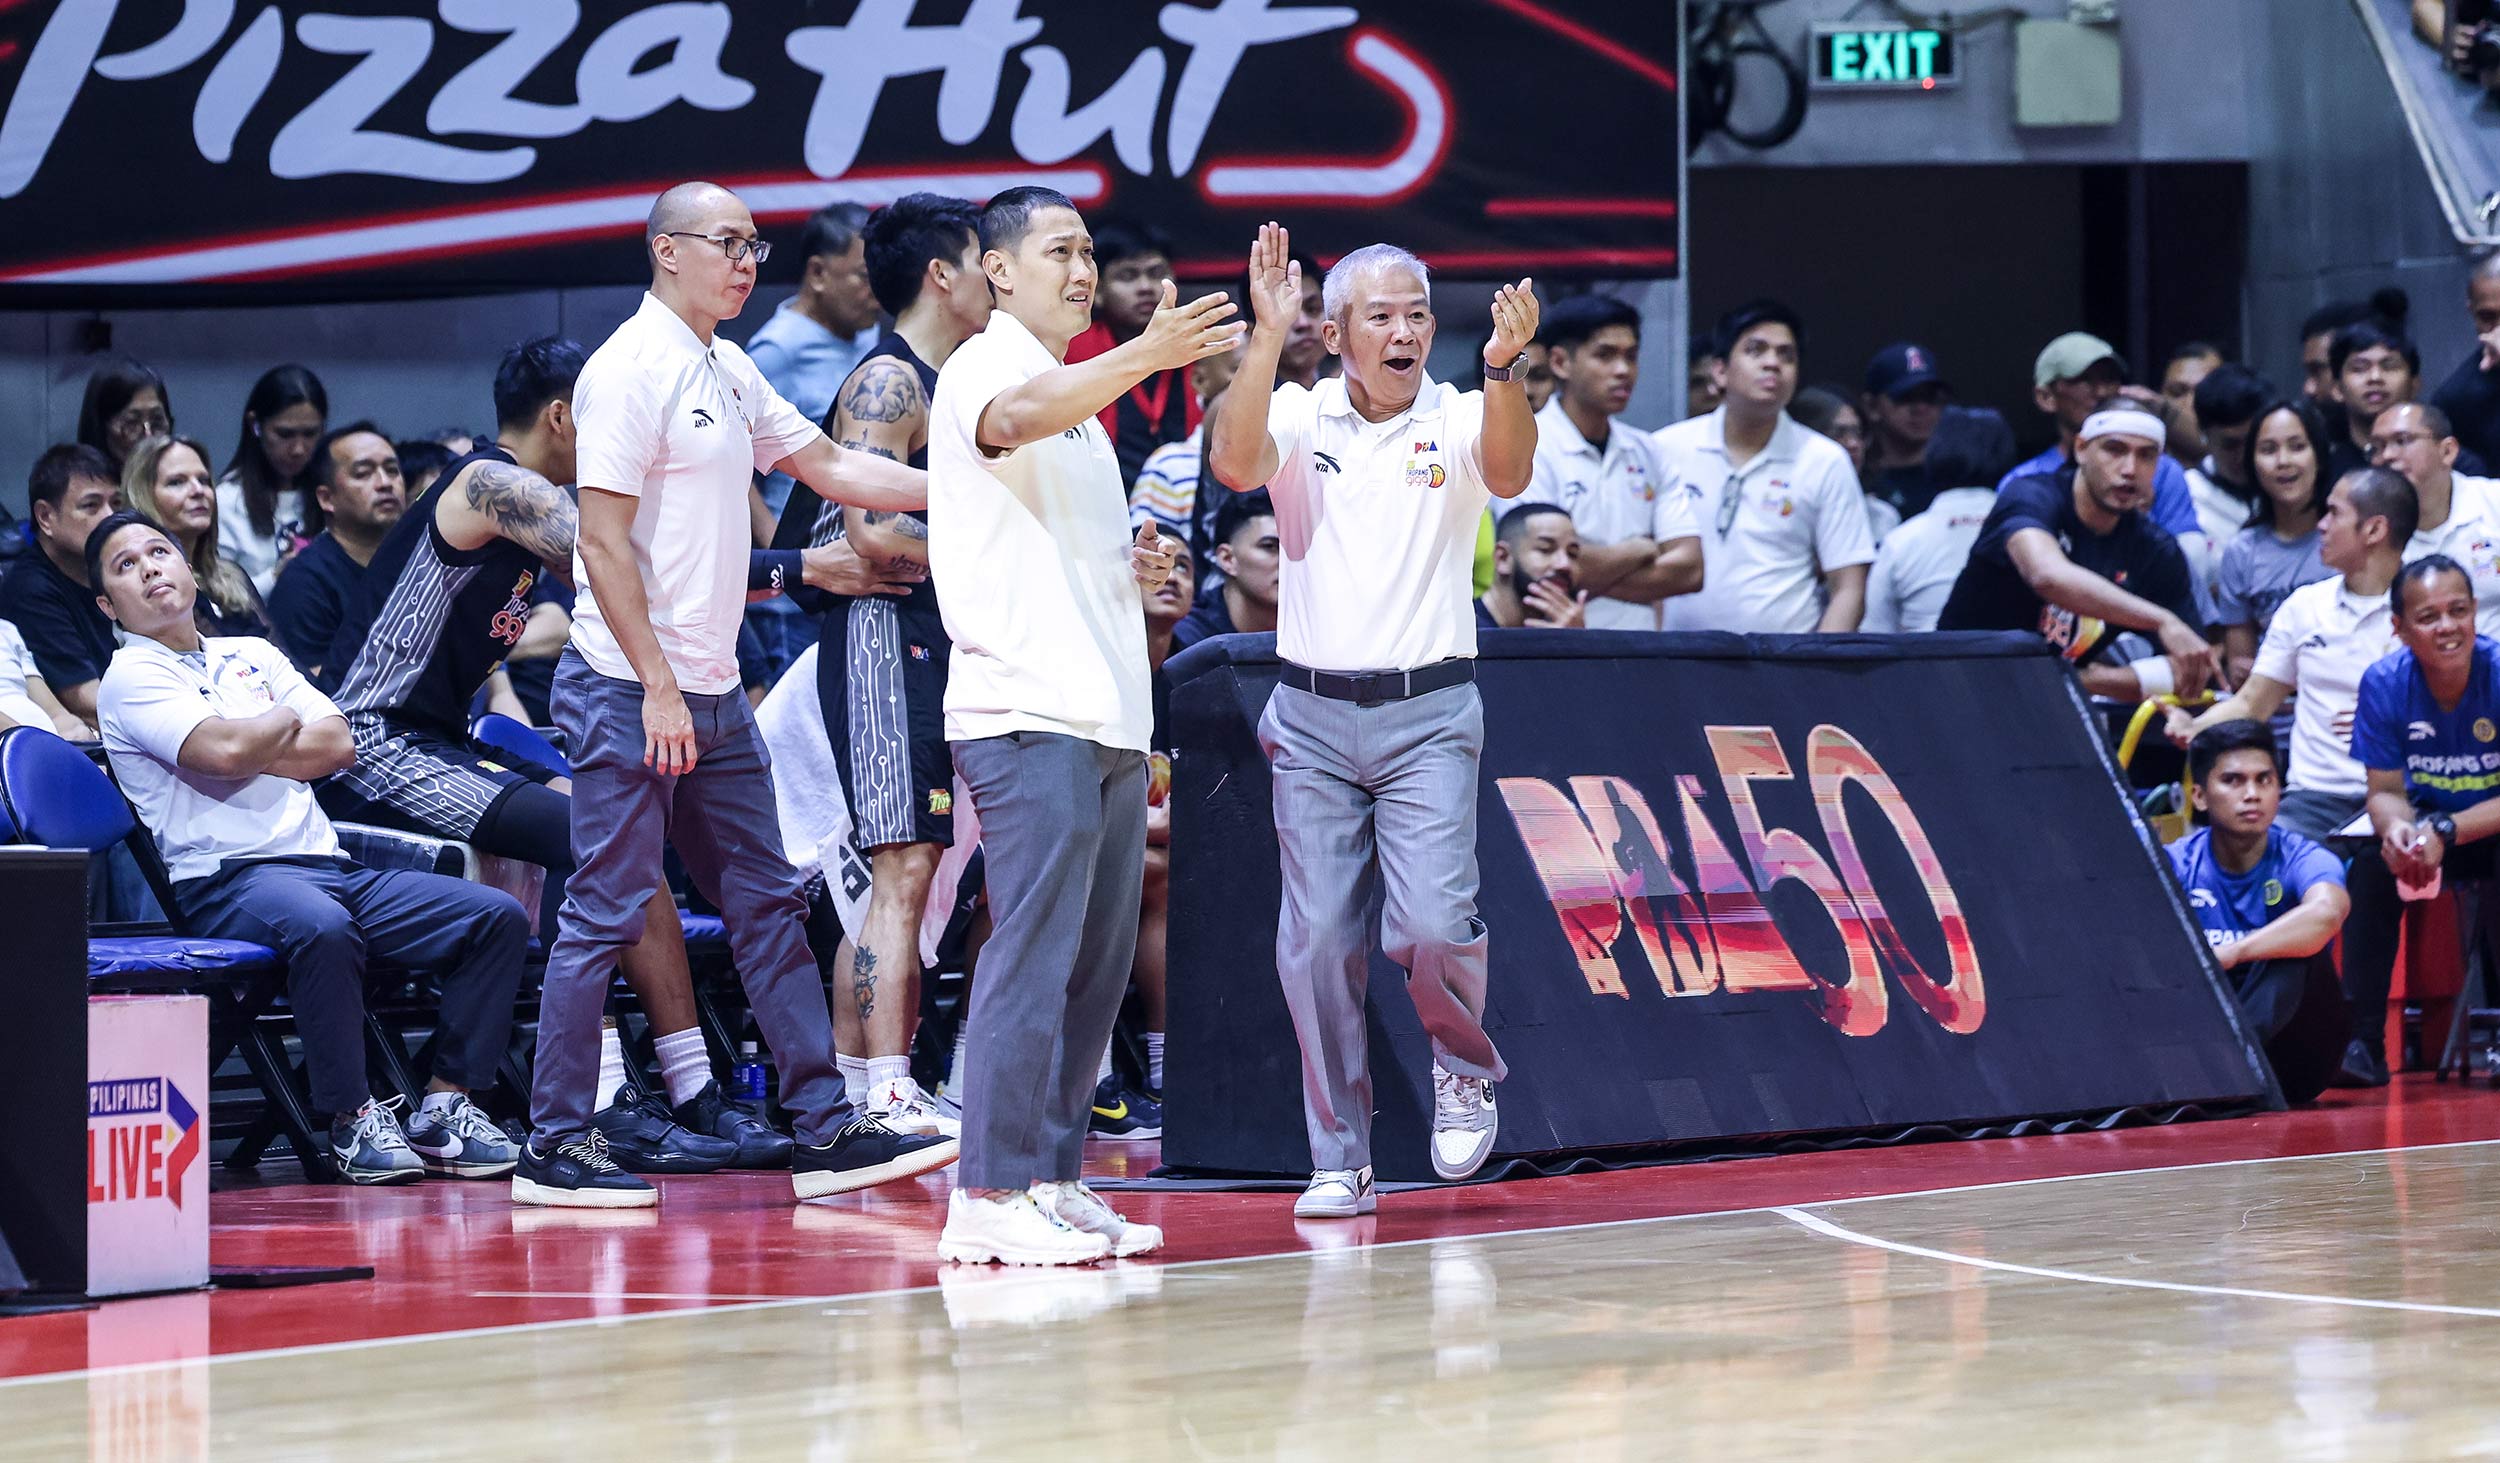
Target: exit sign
{"points": [[1884, 58]]}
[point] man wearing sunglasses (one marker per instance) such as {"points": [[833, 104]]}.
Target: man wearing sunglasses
{"points": [[1785, 541]]}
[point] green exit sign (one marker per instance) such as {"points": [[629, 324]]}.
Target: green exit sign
{"points": [[1884, 58]]}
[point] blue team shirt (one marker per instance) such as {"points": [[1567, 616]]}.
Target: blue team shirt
{"points": [[2173, 507], [2230, 905], [2450, 759]]}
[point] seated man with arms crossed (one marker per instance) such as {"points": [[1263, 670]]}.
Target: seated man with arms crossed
{"points": [[215, 741], [2270, 902]]}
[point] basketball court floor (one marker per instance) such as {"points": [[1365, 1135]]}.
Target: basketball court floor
{"points": [[2317, 1285]]}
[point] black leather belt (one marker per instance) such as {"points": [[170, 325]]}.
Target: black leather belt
{"points": [[1370, 688]]}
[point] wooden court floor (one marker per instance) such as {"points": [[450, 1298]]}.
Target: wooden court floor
{"points": [[2320, 1285]]}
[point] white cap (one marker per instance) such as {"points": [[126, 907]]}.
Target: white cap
{"points": [[2125, 420]]}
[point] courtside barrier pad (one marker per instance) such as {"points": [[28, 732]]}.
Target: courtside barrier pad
{"points": [[1745, 894]]}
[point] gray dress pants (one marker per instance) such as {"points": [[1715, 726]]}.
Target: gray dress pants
{"points": [[1369, 800]]}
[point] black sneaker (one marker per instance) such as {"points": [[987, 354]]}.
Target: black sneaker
{"points": [[578, 1175], [1122, 1113], [863, 1155], [2362, 1067], [759, 1144], [643, 1138]]}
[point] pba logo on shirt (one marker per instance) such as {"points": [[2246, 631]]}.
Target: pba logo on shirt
{"points": [[1426, 472], [142, 1135]]}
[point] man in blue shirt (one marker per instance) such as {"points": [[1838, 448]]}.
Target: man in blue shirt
{"points": [[2076, 376], [2270, 901], [2427, 730]]}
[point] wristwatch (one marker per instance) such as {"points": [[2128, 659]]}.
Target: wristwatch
{"points": [[1505, 373], [2445, 827]]}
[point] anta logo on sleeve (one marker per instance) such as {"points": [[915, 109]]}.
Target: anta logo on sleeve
{"points": [[1322, 462], [702, 418]]}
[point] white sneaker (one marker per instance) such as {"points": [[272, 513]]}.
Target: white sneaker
{"points": [[1078, 1207], [1012, 1231], [902, 1106], [1337, 1193], [1463, 1123]]}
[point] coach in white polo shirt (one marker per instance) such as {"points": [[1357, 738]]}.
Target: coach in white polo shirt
{"points": [[673, 425], [2322, 637], [1049, 705], [1785, 540], [1637, 538], [1375, 729]]}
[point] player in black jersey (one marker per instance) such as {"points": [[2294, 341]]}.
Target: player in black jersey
{"points": [[444, 600], [881, 662]]}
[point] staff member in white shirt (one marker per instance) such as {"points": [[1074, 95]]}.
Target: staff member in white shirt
{"points": [[1785, 540], [1375, 728], [1638, 544], [2460, 512], [1049, 705], [671, 426], [2322, 637]]}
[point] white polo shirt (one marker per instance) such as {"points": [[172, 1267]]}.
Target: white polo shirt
{"points": [[1620, 492], [1798, 514], [1029, 552], [2471, 536], [2321, 639], [1918, 562], [1378, 522], [152, 698], [683, 427], [17, 667]]}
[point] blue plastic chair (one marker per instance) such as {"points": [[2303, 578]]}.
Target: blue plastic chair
{"points": [[520, 741]]}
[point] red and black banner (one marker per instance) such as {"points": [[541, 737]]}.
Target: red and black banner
{"points": [[390, 147], [1739, 889]]}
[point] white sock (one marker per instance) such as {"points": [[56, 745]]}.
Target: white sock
{"points": [[854, 1078], [437, 1101], [1154, 1060], [882, 1070], [684, 1065], [961, 1068], [1106, 1064], [611, 1066]]}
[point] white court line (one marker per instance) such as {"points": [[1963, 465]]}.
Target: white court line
{"points": [[323, 1348], [621, 1295], [1827, 1228]]}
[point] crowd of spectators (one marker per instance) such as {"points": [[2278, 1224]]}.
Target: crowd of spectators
{"points": [[2324, 561]]}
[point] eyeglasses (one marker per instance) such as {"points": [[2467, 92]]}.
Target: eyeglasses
{"points": [[731, 244], [2398, 442], [144, 424], [1729, 500]]}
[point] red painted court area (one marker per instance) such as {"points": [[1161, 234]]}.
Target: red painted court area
{"points": [[453, 1257]]}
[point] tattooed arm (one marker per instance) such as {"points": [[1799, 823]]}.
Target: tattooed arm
{"points": [[882, 393], [496, 500], [882, 412]]}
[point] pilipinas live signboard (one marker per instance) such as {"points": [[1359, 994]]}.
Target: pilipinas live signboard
{"points": [[1739, 889], [223, 148]]}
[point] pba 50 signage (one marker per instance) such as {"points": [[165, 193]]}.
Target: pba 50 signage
{"points": [[1736, 889]]}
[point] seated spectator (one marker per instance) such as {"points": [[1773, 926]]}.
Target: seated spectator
{"points": [[1827, 410], [1916, 564], [2322, 637], [422, 460], [2317, 337], [1133, 265], [126, 403], [2225, 409], [266, 502], [1904, 400], [1305, 357], [2471, 394], [2376, 368], [166, 481], [24, 698], [2423, 728], [1166, 488], [1701, 376], [46, 595], [1638, 544], [1784, 537], [361, 494], [2270, 901], [2079, 375], [2280, 549], [2460, 514], [215, 740], [1165, 607], [1536, 563], [2071, 554], [2186, 370], [1249, 552]]}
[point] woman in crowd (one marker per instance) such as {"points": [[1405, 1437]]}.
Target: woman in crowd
{"points": [[167, 482], [265, 502], [1829, 411], [2277, 552], [125, 404]]}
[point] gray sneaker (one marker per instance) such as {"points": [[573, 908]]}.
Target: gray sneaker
{"points": [[1463, 1123], [454, 1138], [369, 1148]]}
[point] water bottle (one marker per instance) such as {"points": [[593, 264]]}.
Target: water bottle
{"points": [[748, 1078]]}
